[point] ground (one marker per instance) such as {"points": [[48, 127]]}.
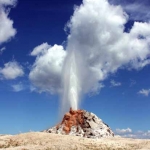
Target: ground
{"points": [[48, 141]]}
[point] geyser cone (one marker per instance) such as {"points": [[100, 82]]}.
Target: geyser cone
{"points": [[82, 123]]}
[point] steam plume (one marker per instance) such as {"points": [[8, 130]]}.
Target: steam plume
{"points": [[96, 46]]}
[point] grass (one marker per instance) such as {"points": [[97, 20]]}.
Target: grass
{"points": [[10, 143], [42, 141]]}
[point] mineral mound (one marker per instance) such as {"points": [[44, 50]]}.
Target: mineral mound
{"points": [[82, 123]]}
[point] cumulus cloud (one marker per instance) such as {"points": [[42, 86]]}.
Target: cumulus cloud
{"points": [[18, 87], [114, 83], [11, 70], [128, 133], [6, 24], [144, 92], [47, 69], [97, 45]]}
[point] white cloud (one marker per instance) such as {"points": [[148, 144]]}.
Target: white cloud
{"points": [[114, 83], [40, 49], [18, 87], [128, 133], [6, 24], [144, 92], [11, 70], [46, 71], [123, 131], [2, 50]]}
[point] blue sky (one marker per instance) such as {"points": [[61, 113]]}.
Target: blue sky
{"points": [[122, 99]]}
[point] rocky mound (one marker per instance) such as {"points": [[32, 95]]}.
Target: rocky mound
{"points": [[82, 123]]}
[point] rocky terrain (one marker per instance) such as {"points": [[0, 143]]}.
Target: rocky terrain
{"points": [[47, 141], [82, 123]]}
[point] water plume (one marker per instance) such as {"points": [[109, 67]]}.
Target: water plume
{"points": [[71, 82]]}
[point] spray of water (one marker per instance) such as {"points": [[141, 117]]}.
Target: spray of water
{"points": [[71, 82]]}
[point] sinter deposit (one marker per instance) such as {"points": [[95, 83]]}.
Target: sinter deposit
{"points": [[82, 123]]}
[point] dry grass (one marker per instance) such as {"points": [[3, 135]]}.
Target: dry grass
{"points": [[46, 141]]}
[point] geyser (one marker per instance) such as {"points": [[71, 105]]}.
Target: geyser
{"points": [[71, 83], [97, 46]]}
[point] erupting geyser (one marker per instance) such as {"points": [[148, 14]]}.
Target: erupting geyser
{"points": [[71, 83], [97, 46]]}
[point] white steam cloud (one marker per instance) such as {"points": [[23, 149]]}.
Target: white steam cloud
{"points": [[6, 25], [96, 46]]}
